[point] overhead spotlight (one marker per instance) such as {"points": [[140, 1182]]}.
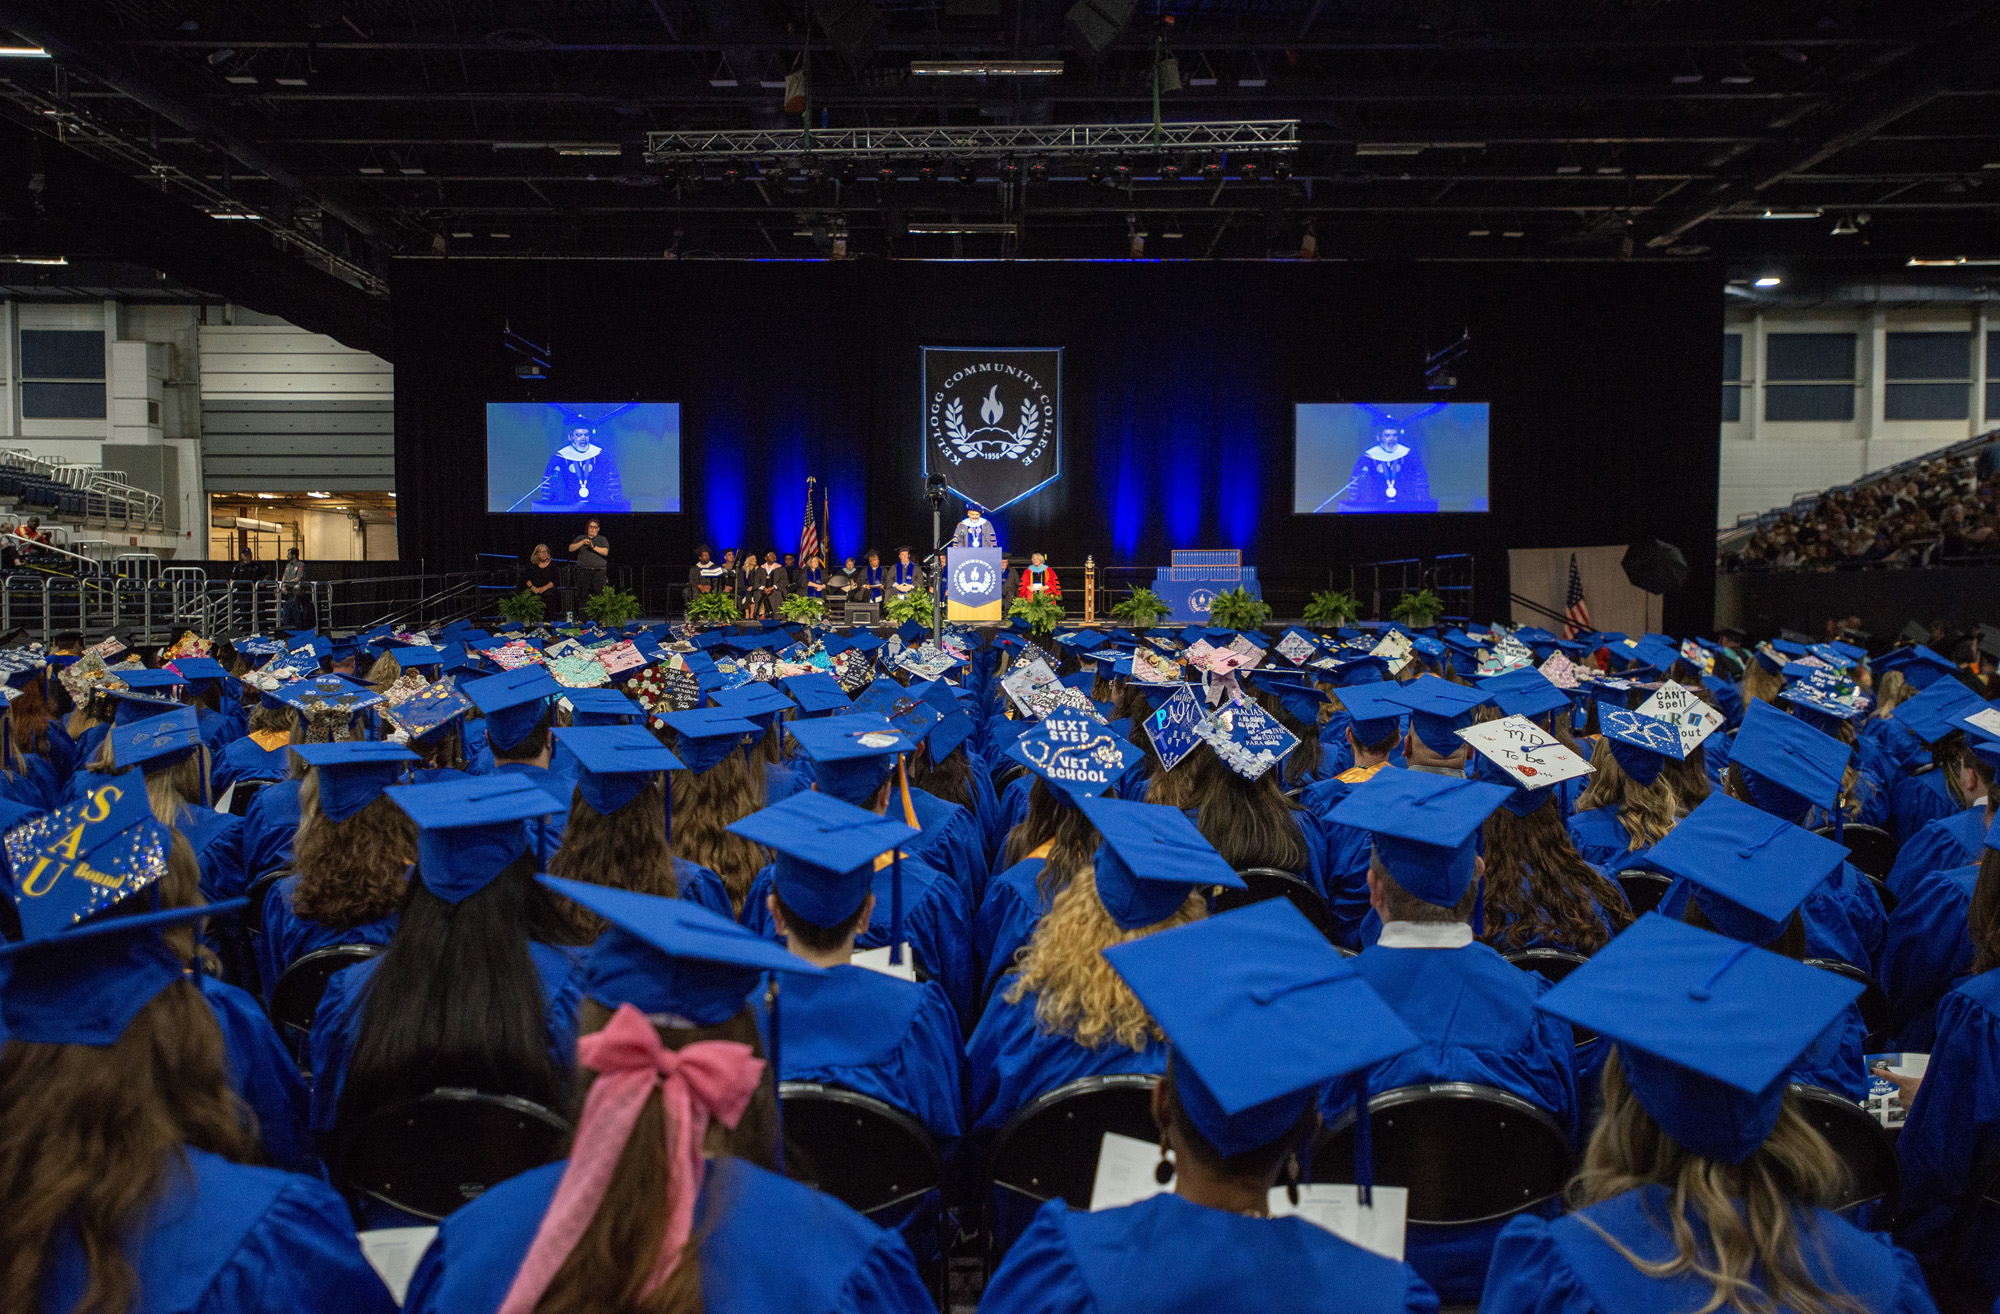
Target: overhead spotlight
{"points": [[927, 172], [1094, 174], [968, 172], [1251, 169], [886, 174], [1846, 227], [846, 174], [1038, 172], [1170, 170], [1281, 168], [1121, 174], [732, 171], [1010, 172], [1211, 172], [1769, 280]]}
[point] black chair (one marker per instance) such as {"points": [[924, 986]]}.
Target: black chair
{"points": [[1048, 1150], [1874, 1001], [1555, 964], [1871, 849], [1862, 1143], [296, 994], [1467, 1153], [1644, 888], [242, 792], [430, 1155], [1270, 883], [866, 1154]]}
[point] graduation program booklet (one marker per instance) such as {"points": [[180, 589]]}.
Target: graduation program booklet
{"points": [[1337, 1207]]}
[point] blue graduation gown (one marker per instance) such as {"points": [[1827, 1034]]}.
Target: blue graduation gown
{"points": [[1601, 840], [264, 1075], [768, 1246], [936, 926], [1346, 849], [1843, 917], [289, 937], [1919, 799], [1564, 1267], [1475, 1014], [545, 832], [337, 1025], [227, 1238], [697, 884], [269, 827], [1837, 1060], [1013, 809], [1947, 842], [1007, 918], [1954, 1124], [36, 786], [216, 729], [781, 781], [951, 841], [1166, 1254], [216, 840], [1929, 951], [1009, 1061], [244, 760]]}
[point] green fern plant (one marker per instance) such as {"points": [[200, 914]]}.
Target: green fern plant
{"points": [[1042, 613], [1419, 610], [803, 608], [523, 608], [713, 609], [1143, 609], [1331, 608], [611, 607], [1237, 610], [914, 606]]}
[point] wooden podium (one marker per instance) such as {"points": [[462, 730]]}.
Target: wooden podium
{"points": [[970, 573]]}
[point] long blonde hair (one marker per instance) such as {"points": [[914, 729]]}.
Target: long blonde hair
{"points": [[1076, 992], [1647, 812], [1891, 691], [1752, 1211], [1761, 683]]}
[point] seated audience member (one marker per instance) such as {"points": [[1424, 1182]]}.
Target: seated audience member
{"points": [[668, 1200], [1260, 1012], [716, 786], [520, 711], [1373, 732], [1472, 1009], [1954, 839], [1628, 806], [166, 747], [1703, 1185]]}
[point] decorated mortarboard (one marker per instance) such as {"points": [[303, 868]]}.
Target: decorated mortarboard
{"points": [[672, 959], [1173, 724], [1920, 666], [614, 762], [1930, 714], [429, 710], [469, 830], [82, 858], [514, 703], [326, 693], [1425, 827], [1149, 860], [1439, 709], [705, 736], [1521, 755], [1787, 765], [1642, 744], [851, 755], [1248, 739], [157, 741], [1708, 1029], [1692, 718], [1080, 640], [599, 707], [1820, 706], [1374, 710], [255, 646], [1076, 756], [1750, 870], [354, 773], [199, 670], [1982, 733], [824, 852]]}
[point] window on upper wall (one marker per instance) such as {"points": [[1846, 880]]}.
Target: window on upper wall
{"points": [[1732, 377], [1809, 376], [62, 374], [1929, 376]]}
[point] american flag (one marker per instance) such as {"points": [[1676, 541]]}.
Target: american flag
{"points": [[809, 535], [1575, 609]]}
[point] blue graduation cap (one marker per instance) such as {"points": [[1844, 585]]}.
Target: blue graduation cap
{"points": [[1425, 828], [469, 830], [705, 736], [1301, 701], [817, 693], [1750, 869], [615, 762], [851, 755], [132, 708], [1076, 756], [1261, 1013], [1817, 706], [1376, 713], [145, 680], [602, 707], [1536, 695], [1930, 714], [1918, 664], [1788, 767], [952, 730], [514, 703], [911, 631], [670, 958], [1080, 640], [1707, 1028], [825, 856], [1150, 859], [761, 703], [1439, 710], [199, 670], [1981, 742], [157, 741], [1642, 744], [412, 657], [336, 692], [709, 639], [81, 859], [430, 710], [1248, 739], [354, 773]]}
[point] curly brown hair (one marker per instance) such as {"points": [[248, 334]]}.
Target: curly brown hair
{"points": [[351, 872], [708, 802], [1538, 888], [1250, 822], [625, 849]]}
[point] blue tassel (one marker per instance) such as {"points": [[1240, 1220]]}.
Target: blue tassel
{"points": [[771, 1002], [1364, 1153], [896, 907]]}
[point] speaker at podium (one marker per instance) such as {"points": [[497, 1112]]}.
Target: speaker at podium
{"points": [[973, 584]]}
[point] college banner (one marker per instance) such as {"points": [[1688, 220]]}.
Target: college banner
{"points": [[993, 420]]}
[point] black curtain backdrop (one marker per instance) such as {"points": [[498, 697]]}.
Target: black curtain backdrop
{"points": [[1178, 386]]}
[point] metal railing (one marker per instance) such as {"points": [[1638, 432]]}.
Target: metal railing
{"points": [[107, 498]]}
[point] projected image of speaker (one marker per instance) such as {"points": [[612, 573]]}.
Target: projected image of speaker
{"points": [[1094, 24], [1387, 458], [565, 457]]}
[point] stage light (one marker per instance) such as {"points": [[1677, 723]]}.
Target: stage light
{"points": [[1922, 262], [927, 172], [886, 174], [1251, 170], [1769, 280], [233, 214], [33, 260], [732, 172], [1010, 172], [1170, 171], [986, 68], [1121, 174], [1212, 172], [23, 52], [319, 495], [1095, 174], [968, 172], [1038, 172]]}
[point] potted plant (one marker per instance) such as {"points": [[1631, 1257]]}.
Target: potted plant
{"points": [[523, 608], [1143, 609], [611, 607], [1237, 610], [1042, 613], [914, 606], [1419, 610], [803, 608], [1331, 608], [713, 609]]}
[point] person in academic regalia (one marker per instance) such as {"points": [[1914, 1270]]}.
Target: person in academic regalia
{"points": [[975, 530], [130, 1185], [1374, 734], [707, 575], [353, 851], [764, 706], [1246, 816], [873, 578], [906, 576], [812, 577], [951, 841], [520, 711], [1954, 840], [1260, 1011], [617, 829], [1948, 1144], [164, 741], [474, 927], [1038, 580], [1295, 703], [1473, 1010], [1628, 806], [264, 752], [717, 785], [668, 1201], [1703, 1185]]}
